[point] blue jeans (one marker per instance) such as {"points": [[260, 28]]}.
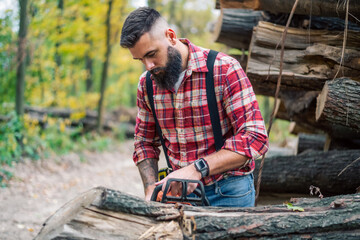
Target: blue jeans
{"points": [[233, 191]]}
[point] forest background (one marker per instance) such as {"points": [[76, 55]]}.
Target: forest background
{"points": [[65, 54]]}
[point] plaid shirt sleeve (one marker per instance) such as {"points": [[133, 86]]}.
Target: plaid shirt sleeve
{"points": [[146, 140], [250, 138]]}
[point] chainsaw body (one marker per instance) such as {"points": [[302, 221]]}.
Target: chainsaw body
{"points": [[198, 197]]}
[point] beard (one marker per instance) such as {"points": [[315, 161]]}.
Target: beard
{"points": [[166, 77]]}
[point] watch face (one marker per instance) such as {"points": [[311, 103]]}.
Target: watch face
{"points": [[201, 165]]}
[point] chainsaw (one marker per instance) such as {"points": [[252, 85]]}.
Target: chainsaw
{"points": [[198, 198]]}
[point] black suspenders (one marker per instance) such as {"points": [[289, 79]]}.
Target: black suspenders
{"points": [[212, 105]]}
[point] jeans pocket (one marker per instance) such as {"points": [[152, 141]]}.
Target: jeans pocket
{"points": [[236, 187]]}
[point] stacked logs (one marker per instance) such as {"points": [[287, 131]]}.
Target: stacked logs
{"points": [[107, 214], [320, 82]]}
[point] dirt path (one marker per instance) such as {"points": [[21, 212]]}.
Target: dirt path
{"points": [[42, 187]]}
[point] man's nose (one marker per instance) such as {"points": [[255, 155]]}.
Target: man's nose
{"points": [[149, 64]]}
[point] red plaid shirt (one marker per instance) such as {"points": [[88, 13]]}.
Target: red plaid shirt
{"points": [[185, 121]]}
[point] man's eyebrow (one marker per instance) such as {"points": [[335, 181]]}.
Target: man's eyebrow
{"points": [[147, 54]]}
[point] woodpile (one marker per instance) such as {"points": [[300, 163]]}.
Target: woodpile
{"points": [[106, 214], [295, 174], [320, 83]]}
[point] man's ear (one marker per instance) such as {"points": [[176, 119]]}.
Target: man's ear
{"points": [[171, 36]]}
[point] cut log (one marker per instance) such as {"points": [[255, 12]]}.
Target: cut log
{"points": [[277, 222], [339, 104], [332, 8], [307, 65], [245, 4], [295, 174], [296, 129], [351, 58], [300, 107], [314, 142], [235, 26], [297, 106], [88, 217]]}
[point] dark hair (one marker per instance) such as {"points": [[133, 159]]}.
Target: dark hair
{"points": [[139, 21]]}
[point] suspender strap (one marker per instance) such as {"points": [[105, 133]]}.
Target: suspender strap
{"points": [[212, 103], [149, 89]]}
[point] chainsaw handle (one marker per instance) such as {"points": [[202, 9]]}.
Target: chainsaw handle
{"points": [[199, 192], [155, 193]]}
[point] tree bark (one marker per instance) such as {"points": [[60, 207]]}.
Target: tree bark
{"points": [[245, 4], [105, 68], [339, 104], [235, 27], [307, 62], [21, 56], [277, 222], [314, 142], [295, 174], [329, 8], [107, 214], [88, 57]]}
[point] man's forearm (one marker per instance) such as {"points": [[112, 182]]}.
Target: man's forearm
{"points": [[149, 172], [225, 160]]}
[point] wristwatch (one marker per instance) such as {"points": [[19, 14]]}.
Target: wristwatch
{"points": [[202, 166]]}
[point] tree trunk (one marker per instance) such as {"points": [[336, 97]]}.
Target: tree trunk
{"points": [[339, 104], [105, 68], [59, 32], [307, 62], [295, 174], [235, 27], [21, 56], [88, 57], [106, 214]]}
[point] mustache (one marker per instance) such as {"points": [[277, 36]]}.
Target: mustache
{"points": [[157, 70]]}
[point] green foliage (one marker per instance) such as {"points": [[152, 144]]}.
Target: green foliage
{"points": [[4, 177], [10, 135], [25, 137], [7, 57]]}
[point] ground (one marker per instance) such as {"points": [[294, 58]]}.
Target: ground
{"points": [[39, 188]]}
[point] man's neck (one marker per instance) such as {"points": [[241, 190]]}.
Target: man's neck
{"points": [[184, 51]]}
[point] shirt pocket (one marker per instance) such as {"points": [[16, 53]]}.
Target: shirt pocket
{"points": [[200, 115]]}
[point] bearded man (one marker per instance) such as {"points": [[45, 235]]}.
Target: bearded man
{"points": [[178, 70]]}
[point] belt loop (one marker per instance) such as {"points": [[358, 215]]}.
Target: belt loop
{"points": [[216, 187]]}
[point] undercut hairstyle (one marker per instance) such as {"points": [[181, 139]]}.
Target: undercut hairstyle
{"points": [[139, 22]]}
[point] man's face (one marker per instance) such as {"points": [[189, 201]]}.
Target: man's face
{"points": [[166, 77], [160, 58]]}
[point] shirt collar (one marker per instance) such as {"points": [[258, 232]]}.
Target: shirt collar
{"points": [[196, 61]]}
